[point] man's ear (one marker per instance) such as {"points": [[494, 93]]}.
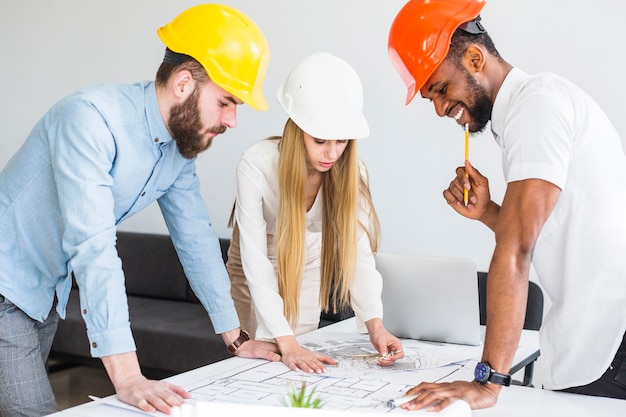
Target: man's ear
{"points": [[183, 84], [474, 59]]}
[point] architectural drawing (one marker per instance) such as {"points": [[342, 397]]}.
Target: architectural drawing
{"points": [[356, 383]]}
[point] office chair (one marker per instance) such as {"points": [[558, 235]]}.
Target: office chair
{"points": [[532, 321]]}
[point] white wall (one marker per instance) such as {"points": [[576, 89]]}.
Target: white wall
{"points": [[50, 48]]}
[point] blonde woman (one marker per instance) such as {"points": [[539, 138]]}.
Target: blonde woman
{"points": [[305, 228]]}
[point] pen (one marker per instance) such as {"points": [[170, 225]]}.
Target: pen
{"points": [[465, 190], [374, 356], [392, 353], [397, 402]]}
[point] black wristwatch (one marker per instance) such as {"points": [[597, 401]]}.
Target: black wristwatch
{"points": [[484, 373]]}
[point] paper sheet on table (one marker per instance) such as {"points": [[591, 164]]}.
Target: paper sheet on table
{"points": [[357, 356], [204, 409], [114, 402]]}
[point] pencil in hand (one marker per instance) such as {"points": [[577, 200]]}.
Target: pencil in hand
{"points": [[465, 190]]}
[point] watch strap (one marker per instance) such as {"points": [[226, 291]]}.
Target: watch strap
{"points": [[484, 373], [502, 379], [243, 337]]}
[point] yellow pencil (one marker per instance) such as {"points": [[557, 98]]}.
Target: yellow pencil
{"points": [[465, 191]]}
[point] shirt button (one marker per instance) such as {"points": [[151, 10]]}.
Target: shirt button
{"points": [[144, 193], [94, 344], [156, 140], [85, 311]]}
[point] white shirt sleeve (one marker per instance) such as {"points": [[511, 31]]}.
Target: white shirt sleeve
{"points": [[255, 211], [537, 139]]}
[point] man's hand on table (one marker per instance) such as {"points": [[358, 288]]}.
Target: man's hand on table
{"points": [[437, 396]]}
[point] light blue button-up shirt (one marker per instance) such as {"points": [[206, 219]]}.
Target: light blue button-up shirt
{"points": [[96, 158]]}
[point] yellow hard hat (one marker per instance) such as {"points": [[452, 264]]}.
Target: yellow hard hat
{"points": [[227, 43]]}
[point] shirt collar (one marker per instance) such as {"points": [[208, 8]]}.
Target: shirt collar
{"points": [[507, 92], [156, 124]]}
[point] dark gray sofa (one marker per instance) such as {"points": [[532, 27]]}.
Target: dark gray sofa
{"points": [[172, 331]]}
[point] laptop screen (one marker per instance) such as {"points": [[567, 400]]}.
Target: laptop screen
{"points": [[430, 298]]}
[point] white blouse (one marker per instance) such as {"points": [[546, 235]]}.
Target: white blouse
{"points": [[255, 213]]}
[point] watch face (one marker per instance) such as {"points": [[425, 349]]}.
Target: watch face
{"points": [[481, 372]]}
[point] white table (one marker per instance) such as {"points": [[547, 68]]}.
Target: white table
{"points": [[513, 401]]}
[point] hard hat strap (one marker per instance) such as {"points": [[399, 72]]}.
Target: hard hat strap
{"points": [[473, 26], [174, 58]]}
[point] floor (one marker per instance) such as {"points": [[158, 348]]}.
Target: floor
{"points": [[73, 386]]}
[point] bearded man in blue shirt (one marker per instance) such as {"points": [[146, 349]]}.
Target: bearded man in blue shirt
{"points": [[96, 158]]}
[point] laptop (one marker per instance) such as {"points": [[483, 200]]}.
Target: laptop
{"points": [[430, 298]]}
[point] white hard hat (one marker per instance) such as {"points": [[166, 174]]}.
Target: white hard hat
{"points": [[323, 95]]}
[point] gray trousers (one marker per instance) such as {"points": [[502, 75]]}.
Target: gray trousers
{"points": [[25, 343]]}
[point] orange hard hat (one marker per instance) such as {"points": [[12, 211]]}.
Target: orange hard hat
{"points": [[419, 38]]}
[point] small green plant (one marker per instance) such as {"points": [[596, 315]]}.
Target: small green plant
{"points": [[298, 397]]}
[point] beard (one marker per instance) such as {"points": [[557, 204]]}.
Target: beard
{"points": [[186, 127], [481, 108]]}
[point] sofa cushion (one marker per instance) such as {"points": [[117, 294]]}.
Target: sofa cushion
{"points": [[171, 336], [174, 336], [151, 266]]}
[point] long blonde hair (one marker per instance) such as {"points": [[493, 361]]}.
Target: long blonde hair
{"points": [[343, 189]]}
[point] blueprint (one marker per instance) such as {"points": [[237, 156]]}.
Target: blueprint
{"points": [[356, 356], [357, 383]]}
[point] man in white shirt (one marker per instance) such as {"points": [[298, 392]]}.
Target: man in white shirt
{"points": [[562, 210]]}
